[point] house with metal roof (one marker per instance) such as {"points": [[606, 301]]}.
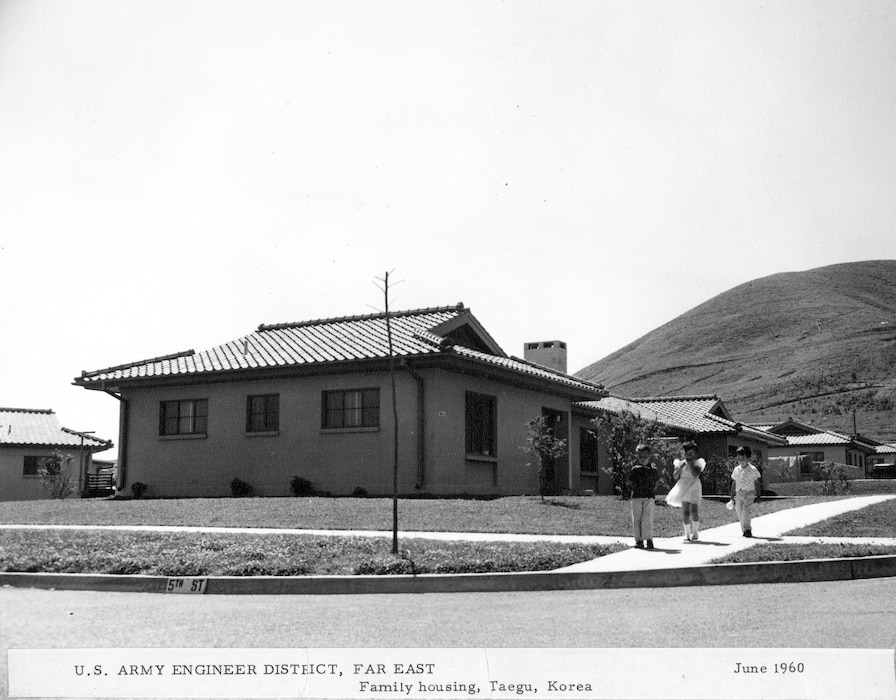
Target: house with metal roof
{"points": [[813, 446], [314, 400], [29, 437], [703, 419]]}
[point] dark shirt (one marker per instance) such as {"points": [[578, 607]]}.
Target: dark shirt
{"points": [[643, 481]]}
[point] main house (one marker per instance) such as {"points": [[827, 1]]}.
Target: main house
{"points": [[29, 441], [314, 400]]}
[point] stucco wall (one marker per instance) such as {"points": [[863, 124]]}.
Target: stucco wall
{"points": [[14, 486], [832, 453], [336, 461]]}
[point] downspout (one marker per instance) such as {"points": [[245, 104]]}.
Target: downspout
{"points": [[123, 415], [421, 425]]}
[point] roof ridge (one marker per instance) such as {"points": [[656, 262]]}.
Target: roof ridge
{"points": [[565, 375], [683, 397], [359, 317], [160, 358], [27, 410]]}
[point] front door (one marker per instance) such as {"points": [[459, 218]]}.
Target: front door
{"points": [[557, 473]]}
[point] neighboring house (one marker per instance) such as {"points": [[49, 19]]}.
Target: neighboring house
{"points": [[314, 400], [813, 446], [884, 453], [703, 419], [28, 439]]}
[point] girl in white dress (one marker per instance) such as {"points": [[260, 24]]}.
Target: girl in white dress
{"points": [[688, 492]]}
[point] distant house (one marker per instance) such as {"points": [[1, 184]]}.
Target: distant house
{"points": [[703, 419], [314, 400], [884, 453], [813, 446], [28, 439]]}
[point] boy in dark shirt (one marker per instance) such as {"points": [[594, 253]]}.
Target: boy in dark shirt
{"points": [[642, 479]]}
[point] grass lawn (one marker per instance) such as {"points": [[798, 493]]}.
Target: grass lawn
{"points": [[238, 554], [273, 555], [587, 515], [878, 520], [859, 487], [797, 552]]}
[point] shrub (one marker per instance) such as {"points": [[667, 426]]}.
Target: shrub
{"points": [[301, 487], [57, 477], [138, 489], [239, 488], [359, 492], [545, 448], [834, 478]]}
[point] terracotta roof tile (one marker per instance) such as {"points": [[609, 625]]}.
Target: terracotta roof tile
{"points": [[31, 426], [339, 339]]}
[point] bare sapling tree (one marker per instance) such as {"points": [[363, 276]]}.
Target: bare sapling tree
{"points": [[384, 287]]}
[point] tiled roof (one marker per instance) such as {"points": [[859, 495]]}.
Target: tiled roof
{"points": [[885, 449], [821, 438], [688, 413], [32, 426], [347, 338], [529, 368], [616, 404], [692, 412], [684, 413]]}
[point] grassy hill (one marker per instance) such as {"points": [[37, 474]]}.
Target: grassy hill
{"points": [[813, 345]]}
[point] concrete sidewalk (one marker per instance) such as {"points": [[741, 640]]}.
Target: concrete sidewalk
{"points": [[717, 542]]}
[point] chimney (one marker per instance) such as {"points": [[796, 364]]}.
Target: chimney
{"points": [[550, 353]]}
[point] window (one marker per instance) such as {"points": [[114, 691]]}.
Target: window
{"points": [[808, 460], [188, 417], [481, 425], [355, 408], [34, 465], [263, 413], [587, 450]]}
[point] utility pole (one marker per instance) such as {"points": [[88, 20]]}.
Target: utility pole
{"points": [[385, 289]]}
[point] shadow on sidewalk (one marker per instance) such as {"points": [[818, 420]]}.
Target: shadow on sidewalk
{"points": [[709, 542]]}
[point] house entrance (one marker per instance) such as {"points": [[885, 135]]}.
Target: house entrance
{"points": [[557, 471]]}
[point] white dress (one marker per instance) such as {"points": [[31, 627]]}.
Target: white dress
{"points": [[688, 488]]}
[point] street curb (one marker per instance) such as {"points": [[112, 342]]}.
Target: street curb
{"points": [[809, 570]]}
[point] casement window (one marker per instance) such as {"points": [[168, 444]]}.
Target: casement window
{"points": [[189, 417], [481, 425], [352, 408], [587, 451], [263, 413], [35, 465]]}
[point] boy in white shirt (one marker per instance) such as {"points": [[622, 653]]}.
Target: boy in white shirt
{"points": [[746, 487]]}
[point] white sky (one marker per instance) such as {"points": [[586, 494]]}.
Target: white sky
{"points": [[172, 174]]}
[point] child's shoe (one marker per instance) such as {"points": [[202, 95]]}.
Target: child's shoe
{"points": [[639, 544], [687, 532], [649, 544], [695, 530], [748, 533]]}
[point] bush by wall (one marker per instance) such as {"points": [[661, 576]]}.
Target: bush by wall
{"points": [[240, 488]]}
